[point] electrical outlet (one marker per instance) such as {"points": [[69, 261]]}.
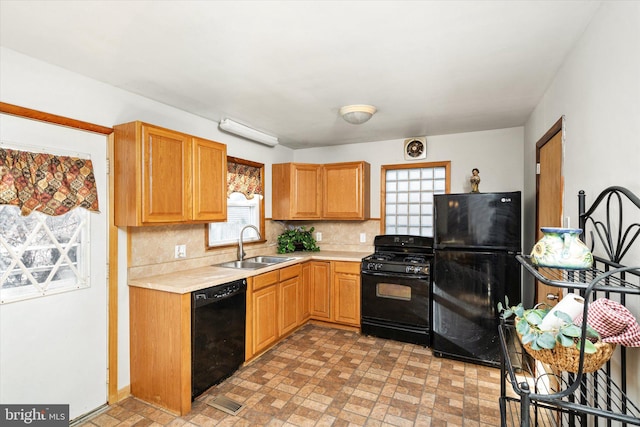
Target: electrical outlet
{"points": [[363, 237], [181, 251], [318, 236]]}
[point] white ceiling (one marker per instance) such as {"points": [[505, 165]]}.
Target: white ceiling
{"points": [[285, 67]]}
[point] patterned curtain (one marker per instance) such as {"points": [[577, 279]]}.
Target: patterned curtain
{"points": [[46, 183], [243, 179]]}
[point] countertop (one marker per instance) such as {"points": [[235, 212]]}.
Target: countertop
{"points": [[186, 281]]}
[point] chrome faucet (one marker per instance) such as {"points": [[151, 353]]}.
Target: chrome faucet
{"points": [[241, 252]]}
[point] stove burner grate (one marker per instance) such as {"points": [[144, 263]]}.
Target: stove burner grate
{"points": [[381, 257], [414, 260]]}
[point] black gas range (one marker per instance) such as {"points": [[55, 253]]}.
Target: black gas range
{"points": [[396, 286]]}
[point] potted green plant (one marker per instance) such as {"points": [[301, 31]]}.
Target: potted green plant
{"points": [[297, 239]]}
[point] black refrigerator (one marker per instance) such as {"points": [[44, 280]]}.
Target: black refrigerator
{"points": [[477, 236]]}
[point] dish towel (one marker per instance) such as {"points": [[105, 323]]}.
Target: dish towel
{"points": [[614, 322]]}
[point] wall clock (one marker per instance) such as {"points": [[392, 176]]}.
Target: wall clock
{"points": [[415, 148]]}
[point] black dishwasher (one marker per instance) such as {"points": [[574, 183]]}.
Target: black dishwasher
{"points": [[218, 316]]}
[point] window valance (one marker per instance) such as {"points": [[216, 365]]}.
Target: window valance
{"points": [[243, 179], [46, 183]]}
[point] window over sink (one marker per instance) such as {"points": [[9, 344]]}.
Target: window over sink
{"points": [[245, 205]]}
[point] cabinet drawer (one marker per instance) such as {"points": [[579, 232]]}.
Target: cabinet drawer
{"points": [[346, 267], [265, 279], [289, 272]]}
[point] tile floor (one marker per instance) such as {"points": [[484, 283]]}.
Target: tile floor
{"points": [[330, 377]]}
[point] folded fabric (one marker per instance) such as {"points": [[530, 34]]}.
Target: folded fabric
{"points": [[614, 322]]}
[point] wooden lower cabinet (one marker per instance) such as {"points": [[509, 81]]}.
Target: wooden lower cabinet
{"points": [[280, 301], [288, 305], [345, 283], [265, 319], [277, 303], [160, 340], [320, 290], [304, 296], [273, 308], [264, 307], [334, 289]]}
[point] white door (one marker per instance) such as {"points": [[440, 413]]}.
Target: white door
{"points": [[53, 348]]}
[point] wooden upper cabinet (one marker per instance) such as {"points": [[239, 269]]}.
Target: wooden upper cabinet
{"points": [[209, 180], [306, 191], [297, 191], [346, 191], [167, 177]]}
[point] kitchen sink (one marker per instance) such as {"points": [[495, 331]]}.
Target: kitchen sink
{"points": [[244, 265], [254, 263], [269, 259]]}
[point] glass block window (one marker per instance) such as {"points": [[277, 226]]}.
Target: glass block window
{"points": [[408, 197]]}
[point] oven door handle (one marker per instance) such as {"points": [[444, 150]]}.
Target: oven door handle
{"points": [[399, 275]]}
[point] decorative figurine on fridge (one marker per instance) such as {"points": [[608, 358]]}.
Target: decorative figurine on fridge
{"points": [[475, 180]]}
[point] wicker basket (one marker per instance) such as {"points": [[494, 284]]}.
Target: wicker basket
{"points": [[568, 358]]}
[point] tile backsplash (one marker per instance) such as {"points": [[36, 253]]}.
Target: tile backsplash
{"points": [[152, 249]]}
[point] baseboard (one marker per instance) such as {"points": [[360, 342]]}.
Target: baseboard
{"points": [[123, 393], [334, 325]]}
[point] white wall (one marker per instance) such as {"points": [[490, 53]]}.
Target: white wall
{"points": [[496, 153], [30, 83], [598, 91]]}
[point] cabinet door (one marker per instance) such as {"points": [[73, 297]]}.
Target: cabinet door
{"points": [[288, 305], [346, 293], [297, 192], [304, 294], [166, 175], [209, 180], [346, 191], [265, 318], [307, 194], [320, 290], [160, 333]]}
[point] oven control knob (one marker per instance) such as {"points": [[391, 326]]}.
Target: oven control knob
{"points": [[374, 266], [414, 269]]}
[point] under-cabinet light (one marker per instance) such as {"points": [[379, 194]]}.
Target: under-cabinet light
{"points": [[247, 132]]}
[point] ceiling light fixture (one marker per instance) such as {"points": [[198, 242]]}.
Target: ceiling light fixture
{"points": [[357, 114], [236, 128]]}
